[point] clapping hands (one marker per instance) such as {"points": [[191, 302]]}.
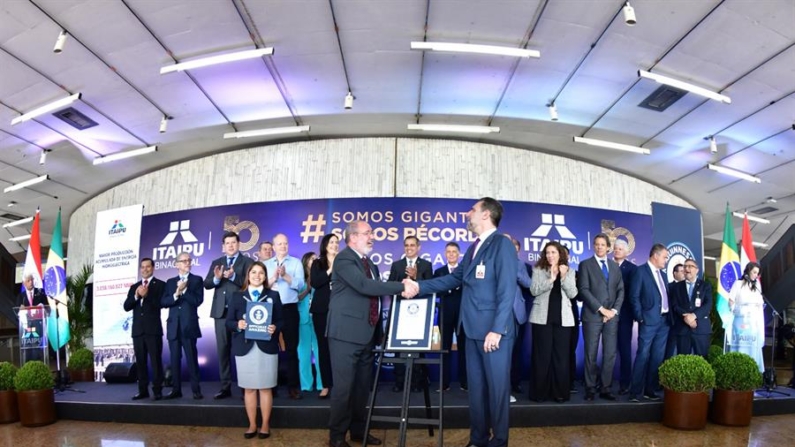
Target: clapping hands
{"points": [[410, 288]]}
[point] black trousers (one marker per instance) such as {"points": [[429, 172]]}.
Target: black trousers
{"points": [[550, 362], [625, 326], [176, 347], [447, 344], [517, 354], [573, 342], [352, 367], [323, 356], [290, 334], [149, 347], [698, 343]]}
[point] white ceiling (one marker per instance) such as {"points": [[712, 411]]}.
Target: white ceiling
{"points": [[741, 48]]}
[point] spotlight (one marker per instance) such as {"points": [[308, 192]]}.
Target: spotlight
{"points": [[60, 42], [164, 123], [349, 101], [43, 157], [629, 15], [713, 146], [553, 111]]}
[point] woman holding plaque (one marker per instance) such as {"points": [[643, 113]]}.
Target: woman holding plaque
{"points": [[553, 287], [320, 279], [748, 324], [257, 360]]}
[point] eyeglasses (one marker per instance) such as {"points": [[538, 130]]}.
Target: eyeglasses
{"points": [[366, 233], [183, 260]]}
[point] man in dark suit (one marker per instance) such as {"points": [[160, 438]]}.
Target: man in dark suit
{"points": [[692, 300], [625, 324], [182, 296], [353, 330], [225, 277], [143, 299], [487, 275], [29, 297], [651, 308], [413, 267], [670, 345], [601, 290], [450, 300]]}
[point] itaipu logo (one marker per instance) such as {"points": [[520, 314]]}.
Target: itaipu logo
{"points": [[678, 253], [541, 235], [117, 229], [168, 249]]}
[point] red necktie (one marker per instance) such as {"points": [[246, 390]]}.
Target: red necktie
{"points": [[146, 282], [30, 297], [373, 300], [475, 248]]}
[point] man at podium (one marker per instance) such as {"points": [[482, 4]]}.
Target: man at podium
{"points": [[32, 320]]}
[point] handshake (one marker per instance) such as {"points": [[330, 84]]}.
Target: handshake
{"points": [[410, 288]]}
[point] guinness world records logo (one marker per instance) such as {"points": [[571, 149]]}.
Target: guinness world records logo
{"points": [[678, 253]]}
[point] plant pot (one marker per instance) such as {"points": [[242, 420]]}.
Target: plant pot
{"points": [[36, 408], [81, 375], [8, 407], [733, 408], [685, 411]]}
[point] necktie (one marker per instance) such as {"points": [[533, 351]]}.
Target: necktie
{"points": [[690, 290], [411, 263], [373, 300], [146, 282], [604, 270], [475, 248], [30, 297], [255, 294], [663, 291], [229, 261]]}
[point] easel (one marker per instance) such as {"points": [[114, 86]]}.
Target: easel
{"points": [[411, 357]]}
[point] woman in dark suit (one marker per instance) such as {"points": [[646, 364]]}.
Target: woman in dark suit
{"points": [[551, 317], [257, 361], [320, 280]]}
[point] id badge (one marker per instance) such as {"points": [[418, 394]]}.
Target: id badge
{"points": [[698, 302], [480, 271]]}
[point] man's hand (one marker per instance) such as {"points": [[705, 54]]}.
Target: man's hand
{"points": [[181, 286], [411, 272], [492, 342], [410, 288], [141, 291], [218, 271], [228, 273]]}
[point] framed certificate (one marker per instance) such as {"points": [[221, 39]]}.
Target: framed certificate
{"points": [[258, 318], [411, 324]]}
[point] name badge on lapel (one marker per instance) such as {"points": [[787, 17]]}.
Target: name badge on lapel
{"points": [[698, 299], [480, 271]]}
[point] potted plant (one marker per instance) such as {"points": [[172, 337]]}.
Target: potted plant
{"points": [[35, 398], [736, 377], [8, 397], [81, 320], [714, 353], [687, 380], [81, 365]]}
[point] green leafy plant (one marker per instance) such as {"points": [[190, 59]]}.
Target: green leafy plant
{"points": [[81, 320], [736, 371], [82, 358], [34, 375], [7, 374], [687, 374], [714, 353]]}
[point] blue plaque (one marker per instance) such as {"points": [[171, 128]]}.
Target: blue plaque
{"points": [[258, 318]]}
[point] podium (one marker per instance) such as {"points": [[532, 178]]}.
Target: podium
{"points": [[33, 333]]}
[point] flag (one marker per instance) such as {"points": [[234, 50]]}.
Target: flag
{"points": [[728, 270], [55, 288], [33, 258], [747, 253]]}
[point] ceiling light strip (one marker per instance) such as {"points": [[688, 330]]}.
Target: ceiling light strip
{"points": [[734, 173], [122, 155], [217, 59], [18, 222], [476, 49], [55, 105], [26, 183], [266, 132], [19, 238], [684, 86], [750, 217], [612, 145], [453, 128]]}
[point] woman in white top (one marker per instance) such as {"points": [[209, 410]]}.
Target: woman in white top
{"points": [[748, 325]]}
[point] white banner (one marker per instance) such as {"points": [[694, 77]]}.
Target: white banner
{"points": [[116, 247]]}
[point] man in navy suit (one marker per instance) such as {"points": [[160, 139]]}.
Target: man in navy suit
{"points": [[451, 310], [627, 322], [414, 267], [692, 300], [652, 309], [143, 299], [183, 296], [487, 275]]}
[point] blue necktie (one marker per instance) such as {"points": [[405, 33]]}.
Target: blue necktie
{"points": [[255, 294], [690, 290], [229, 261], [604, 270]]}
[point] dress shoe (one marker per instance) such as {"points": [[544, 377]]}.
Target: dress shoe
{"points": [[341, 443], [574, 390], [397, 389], [251, 435], [140, 396], [608, 396], [173, 395], [589, 396], [223, 394], [633, 398], [464, 387], [158, 395], [560, 400], [324, 396], [198, 396], [296, 394], [651, 396], [371, 440], [262, 435], [623, 391]]}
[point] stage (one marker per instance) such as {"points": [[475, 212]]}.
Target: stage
{"points": [[101, 402]]}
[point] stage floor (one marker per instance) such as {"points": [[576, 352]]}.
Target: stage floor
{"points": [[101, 402]]}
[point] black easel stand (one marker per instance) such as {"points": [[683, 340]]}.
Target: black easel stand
{"points": [[62, 376], [770, 372]]}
